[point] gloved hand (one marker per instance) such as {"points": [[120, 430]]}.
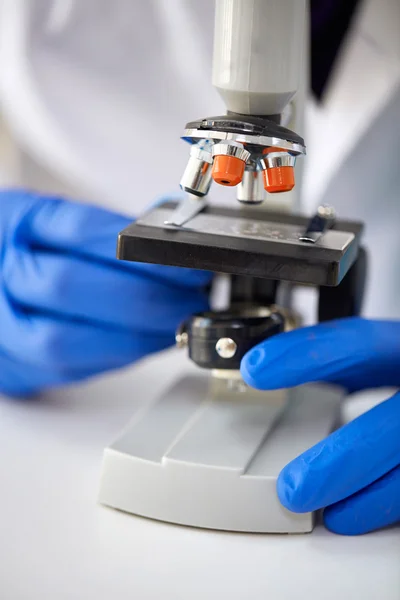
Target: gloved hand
{"points": [[68, 308], [355, 473]]}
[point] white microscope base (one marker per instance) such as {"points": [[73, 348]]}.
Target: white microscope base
{"points": [[211, 459]]}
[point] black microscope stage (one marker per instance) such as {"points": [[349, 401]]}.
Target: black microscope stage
{"points": [[243, 241]]}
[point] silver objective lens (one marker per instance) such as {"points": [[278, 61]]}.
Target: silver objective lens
{"points": [[197, 176], [251, 189]]}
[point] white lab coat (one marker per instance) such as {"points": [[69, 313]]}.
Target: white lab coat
{"points": [[94, 96]]}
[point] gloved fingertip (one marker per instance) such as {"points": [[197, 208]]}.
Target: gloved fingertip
{"points": [[288, 488], [254, 363], [344, 522], [285, 492], [273, 364], [255, 359], [374, 507]]}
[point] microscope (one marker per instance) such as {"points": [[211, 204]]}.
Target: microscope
{"points": [[209, 451]]}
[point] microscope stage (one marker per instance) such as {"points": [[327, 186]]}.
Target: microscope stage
{"points": [[243, 241]]}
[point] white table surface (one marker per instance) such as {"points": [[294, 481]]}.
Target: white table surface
{"points": [[57, 543]]}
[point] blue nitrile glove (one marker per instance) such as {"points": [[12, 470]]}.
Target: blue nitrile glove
{"points": [[68, 308], [355, 472]]}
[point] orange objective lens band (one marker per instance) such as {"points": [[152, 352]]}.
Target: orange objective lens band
{"points": [[278, 179], [228, 170]]}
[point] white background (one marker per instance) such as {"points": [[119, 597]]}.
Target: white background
{"points": [[57, 543]]}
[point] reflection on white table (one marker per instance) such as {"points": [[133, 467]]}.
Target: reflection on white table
{"points": [[57, 543]]}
